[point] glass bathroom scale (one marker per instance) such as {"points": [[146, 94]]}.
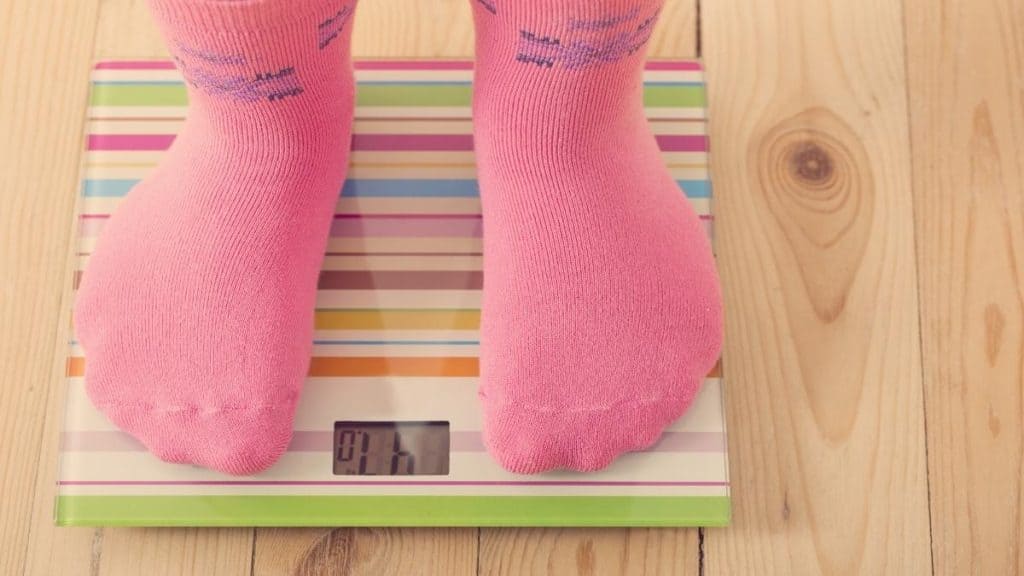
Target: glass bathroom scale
{"points": [[388, 428]]}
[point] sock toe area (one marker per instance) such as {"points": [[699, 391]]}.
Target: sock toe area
{"points": [[529, 440], [186, 418], [229, 439]]}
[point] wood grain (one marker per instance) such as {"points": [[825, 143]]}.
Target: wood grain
{"points": [[54, 550], [175, 552], [384, 29], [811, 166], [589, 552], [966, 72], [46, 49], [376, 552]]}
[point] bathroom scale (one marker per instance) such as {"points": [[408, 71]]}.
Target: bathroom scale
{"points": [[388, 428]]}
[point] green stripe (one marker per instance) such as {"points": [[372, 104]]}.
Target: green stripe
{"points": [[392, 511], [658, 96], [674, 97], [143, 95], [414, 95]]}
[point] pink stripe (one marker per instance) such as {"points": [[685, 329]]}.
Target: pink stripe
{"points": [[413, 65], [89, 227], [417, 254], [407, 216], [401, 228], [136, 142], [375, 483], [135, 65], [687, 65], [421, 254], [424, 142], [368, 142], [95, 441], [373, 118], [682, 143], [381, 65], [321, 441]]}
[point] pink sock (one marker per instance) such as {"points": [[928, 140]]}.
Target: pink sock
{"points": [[196, 310], [601, 304]]}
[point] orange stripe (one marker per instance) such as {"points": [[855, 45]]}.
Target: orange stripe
{"points": [[370, 367], [324, 367], [76, 366], [397, 319], [716, 372]]}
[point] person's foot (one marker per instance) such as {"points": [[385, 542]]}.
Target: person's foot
{"points": [[601, 306], [196, 309]]}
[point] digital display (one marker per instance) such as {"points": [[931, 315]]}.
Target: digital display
{"points": [[391, 448]]}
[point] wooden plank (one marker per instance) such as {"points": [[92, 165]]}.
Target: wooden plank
{"points": [[45, 48], [591, 552], [53, 549], [125, 30], [811, 167], [965, 66], [176, 551], [374, 552]]}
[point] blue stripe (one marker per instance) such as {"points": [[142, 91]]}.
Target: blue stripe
{"points": [[411, 188], [107, 188], [696, 188], [379, 188]]}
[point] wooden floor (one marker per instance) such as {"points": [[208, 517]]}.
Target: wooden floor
{"points": [[869, 171]]}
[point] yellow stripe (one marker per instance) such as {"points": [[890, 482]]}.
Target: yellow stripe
{"points": [[397, 319]]}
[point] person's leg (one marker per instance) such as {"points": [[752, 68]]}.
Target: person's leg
{"points": [[601, 304], [196, 309]]}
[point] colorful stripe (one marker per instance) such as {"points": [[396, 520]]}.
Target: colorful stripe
{"points": [[323, 441], [397, 319], [367, 142], [392, 65], [118, 188], [373, 367], [401, 280], [408, 227], [438, 483], [398, 94], [392, 511]]}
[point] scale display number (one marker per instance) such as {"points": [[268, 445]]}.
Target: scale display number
{"points": [[391, 448]]}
